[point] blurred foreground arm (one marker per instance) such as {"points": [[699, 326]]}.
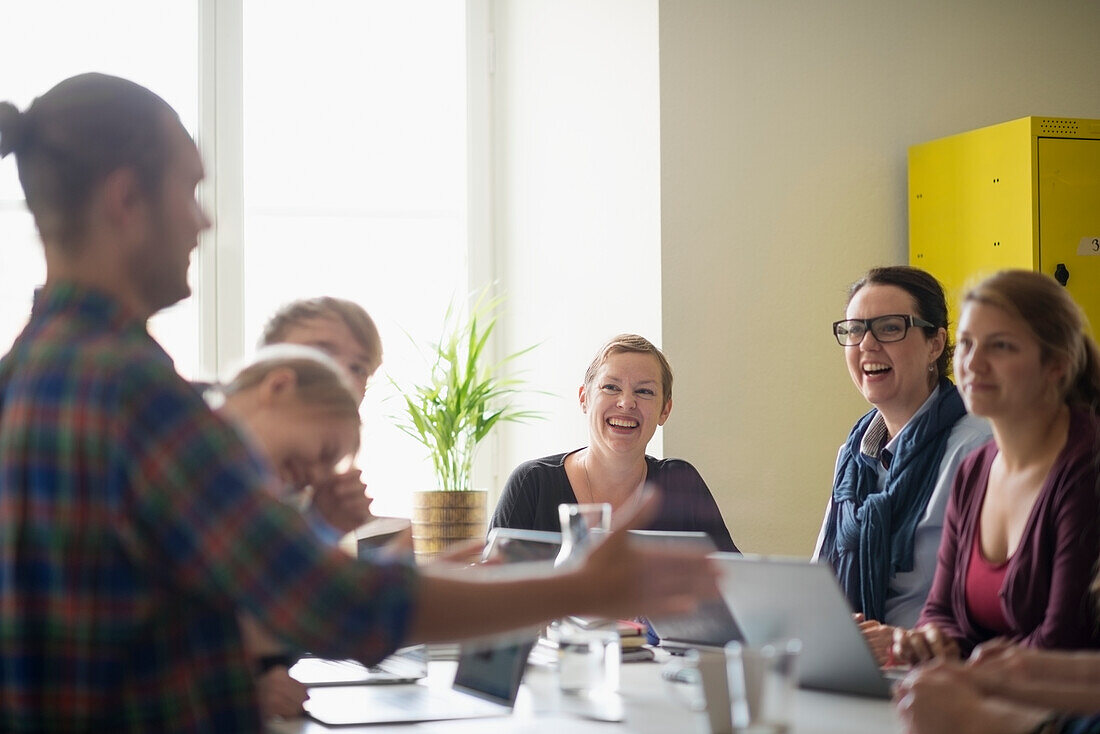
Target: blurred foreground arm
{"points": [[616, 580]]}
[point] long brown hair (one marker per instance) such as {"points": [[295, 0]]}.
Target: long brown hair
{"points": [[1056, 321]]}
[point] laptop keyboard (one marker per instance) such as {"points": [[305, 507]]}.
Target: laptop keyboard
{"points": [[395, 703]]}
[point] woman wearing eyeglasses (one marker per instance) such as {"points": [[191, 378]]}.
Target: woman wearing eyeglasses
{"points": [[893, 475]]}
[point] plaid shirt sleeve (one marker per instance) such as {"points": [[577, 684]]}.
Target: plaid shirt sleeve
{"points": [[205, 511]]}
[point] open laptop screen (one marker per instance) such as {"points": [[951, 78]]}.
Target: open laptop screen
{"points": [[778, 598], [515, 545], [493, 671]]}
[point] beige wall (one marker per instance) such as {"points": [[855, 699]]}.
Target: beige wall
{"points": [[784, 129]]}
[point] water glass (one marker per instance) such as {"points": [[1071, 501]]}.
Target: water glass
{"points": [[578, 521], [762, 682], [588, 660]]}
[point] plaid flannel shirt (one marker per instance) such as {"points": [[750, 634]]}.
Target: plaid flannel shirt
{"points": [[134, 523]]}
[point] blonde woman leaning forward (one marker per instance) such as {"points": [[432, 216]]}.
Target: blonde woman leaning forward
{"points": [[297, 409], [1021, 536]]}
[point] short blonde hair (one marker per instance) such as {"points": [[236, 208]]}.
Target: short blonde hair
{"points": [[320, 383], [350, 313], [632, 343]]}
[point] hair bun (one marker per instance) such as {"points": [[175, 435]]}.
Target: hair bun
{"points": [[12, 128]]}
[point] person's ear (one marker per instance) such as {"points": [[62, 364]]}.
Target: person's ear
{"points": [[582, 396], [665, 413], [937, 344], [277, 386], [1057, 369], [122, 199]]}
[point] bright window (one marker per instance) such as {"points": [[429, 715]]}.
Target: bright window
{"points": [[354, 171], [355, 185], [38, 51]]}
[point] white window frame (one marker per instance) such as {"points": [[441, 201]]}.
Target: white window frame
{"points": [[219, 292], [221, 139], [481, 245], [219, 288]]}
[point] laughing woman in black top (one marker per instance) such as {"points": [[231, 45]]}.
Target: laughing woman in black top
{"points": [[627, 393]]}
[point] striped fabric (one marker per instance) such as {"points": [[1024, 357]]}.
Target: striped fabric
{"points": [[875, 437], [133, 524]]}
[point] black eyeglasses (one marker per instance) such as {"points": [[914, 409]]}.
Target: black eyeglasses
{"points": [[889, 328]]}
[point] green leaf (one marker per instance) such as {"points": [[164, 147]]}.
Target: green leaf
{"points": [[463, 398]]}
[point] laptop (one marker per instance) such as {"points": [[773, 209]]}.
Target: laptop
{"points": [[709, 626], [516, 545], [407, 665], [777, 598], [486, 684], [375, 534]]}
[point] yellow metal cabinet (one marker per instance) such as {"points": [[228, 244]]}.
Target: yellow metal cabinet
{"points": [[1022, 194]]}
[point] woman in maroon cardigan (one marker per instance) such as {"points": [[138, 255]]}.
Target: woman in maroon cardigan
{"points": [[1021, 534]]}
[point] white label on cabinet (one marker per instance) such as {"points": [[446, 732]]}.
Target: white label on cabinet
{"points": [[1089, 246]]}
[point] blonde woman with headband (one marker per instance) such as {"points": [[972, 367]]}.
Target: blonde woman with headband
{"points": [[299, 410]]}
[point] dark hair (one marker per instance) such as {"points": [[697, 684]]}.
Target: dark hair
{"points": [[1056, 321], [77, 133], [636, 344], [927, 294], [358, 321]]}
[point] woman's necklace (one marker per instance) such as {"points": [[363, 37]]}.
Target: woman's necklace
{"points": [[592, 492], [588, 480]]}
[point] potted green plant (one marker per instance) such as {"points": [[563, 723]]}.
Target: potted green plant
{"points": [[465, 397]]}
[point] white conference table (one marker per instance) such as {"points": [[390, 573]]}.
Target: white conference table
{"points": [[650, 704]]}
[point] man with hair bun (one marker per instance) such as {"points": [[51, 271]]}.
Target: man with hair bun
{"points": [[134, 522]]}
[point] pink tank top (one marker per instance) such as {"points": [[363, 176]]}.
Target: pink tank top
{"points": [[983, 590]]}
